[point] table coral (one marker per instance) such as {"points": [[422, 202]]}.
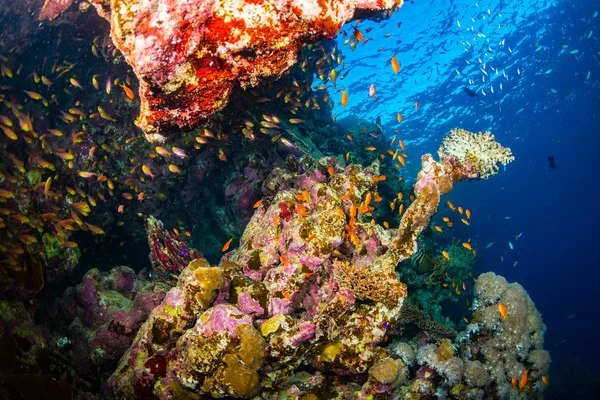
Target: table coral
{"points": [[312, 283], [189, 56]]}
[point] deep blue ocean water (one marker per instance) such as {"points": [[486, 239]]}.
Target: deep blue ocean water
{"points": [[535, 66]]}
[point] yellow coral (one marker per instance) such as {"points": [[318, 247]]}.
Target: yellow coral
{"points": [[368, 284], [210, 280], [479, 149], [445, 351]]}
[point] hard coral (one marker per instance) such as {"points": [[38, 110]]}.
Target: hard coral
{"points": [[480, 152], [190, 55], [312, 273]]}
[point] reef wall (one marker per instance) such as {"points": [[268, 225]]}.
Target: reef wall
{"points": [[190, 55]]}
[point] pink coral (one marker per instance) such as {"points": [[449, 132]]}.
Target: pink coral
{"points": [[190, 55]]}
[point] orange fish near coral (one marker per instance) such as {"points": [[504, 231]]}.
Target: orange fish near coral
{"points": [[523, 380], [128, 92], [147, 171], [514, 382], [399, 117], [451, 205], [467, 246], [446, 255], [257, 204], [437, 228], [545, 379], [502, 310], [226, 246]]}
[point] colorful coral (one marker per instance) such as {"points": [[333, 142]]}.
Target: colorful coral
{"points": [[187, 75], [480, 152], [103, 314], [316, 279]]}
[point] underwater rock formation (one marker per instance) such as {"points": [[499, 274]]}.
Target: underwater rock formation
{"points": [[312, 283], [190, 55], [103, 314]]}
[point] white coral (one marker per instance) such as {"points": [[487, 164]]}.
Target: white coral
{"points": [[478, 148]]}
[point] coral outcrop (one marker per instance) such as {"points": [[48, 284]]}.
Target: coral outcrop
{"points": [[103, 314], [189, 56], [312, 283]]}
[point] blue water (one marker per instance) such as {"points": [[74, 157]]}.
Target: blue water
{"points": [[535, 66]]}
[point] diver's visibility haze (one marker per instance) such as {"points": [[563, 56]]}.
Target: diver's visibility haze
{"points": [[299, 200]]}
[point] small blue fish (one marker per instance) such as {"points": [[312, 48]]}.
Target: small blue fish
{"points": [[510, 245], [501, 258], [518, 236], [490, 244], [183, 252], [515, 264], [506, 217]]}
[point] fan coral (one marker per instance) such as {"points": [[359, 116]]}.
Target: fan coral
{"points": [[479, 151]]}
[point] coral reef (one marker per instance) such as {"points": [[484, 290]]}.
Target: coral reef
{"points": [[103, 313], [187, 75], [508, 348], [311, 282]]}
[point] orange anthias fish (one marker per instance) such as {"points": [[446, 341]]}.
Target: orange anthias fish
{"points": [[467, 246], [257, 204], [226, 246], [395, 66], [399, 116], [468, 213], [128, 92], [417, 105], [437, 228], [514, 382], [344, 98], [502, 310], [174, 169], [545, 379], [146, 170], [446, 255], [523, 380]]}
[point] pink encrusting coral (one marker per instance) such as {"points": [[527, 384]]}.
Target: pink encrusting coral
{"points": [[312, 283], [190, 55]]}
